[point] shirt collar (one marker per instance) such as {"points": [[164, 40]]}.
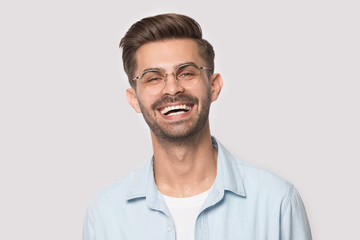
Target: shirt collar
{"points": [[228, 178], [229, 173]]}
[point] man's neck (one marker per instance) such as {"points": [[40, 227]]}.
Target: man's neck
{"points": [[187, 169]]}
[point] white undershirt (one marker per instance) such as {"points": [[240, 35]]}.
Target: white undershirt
{"points": [[184, 212]]}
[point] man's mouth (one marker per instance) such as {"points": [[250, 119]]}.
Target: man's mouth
{"points": [[175, 110]]}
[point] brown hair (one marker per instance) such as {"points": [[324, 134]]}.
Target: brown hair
{"points": [[160, 27]]}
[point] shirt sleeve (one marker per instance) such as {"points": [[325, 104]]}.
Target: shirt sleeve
{"points": [[88, 226], [294, 223]]}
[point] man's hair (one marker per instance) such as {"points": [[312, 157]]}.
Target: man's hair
{"points": [[162, 27]]}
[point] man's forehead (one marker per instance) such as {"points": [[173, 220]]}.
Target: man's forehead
{"points": [[167, 54]]}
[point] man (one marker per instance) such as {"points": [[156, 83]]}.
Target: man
{"points": [[192, 187]]}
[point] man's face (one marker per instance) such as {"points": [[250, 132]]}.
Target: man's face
{"points": [[174, 112]]}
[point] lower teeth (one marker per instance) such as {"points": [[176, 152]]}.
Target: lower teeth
{"points": [[175, 113]]}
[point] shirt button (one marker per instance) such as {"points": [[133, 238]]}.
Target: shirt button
{"points": [[169, 229]]}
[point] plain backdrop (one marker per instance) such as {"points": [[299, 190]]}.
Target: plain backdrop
{"points": [[290, 104]]}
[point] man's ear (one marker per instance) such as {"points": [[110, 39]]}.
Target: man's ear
{"points": [[132, 99], [216, 86]]}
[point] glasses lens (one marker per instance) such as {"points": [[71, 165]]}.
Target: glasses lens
{"points": [[153, 81], [152, 78], [188, 76]]}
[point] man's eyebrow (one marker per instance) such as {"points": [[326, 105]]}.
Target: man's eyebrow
{"points": [[154, 69], [185, 63], [160, 69]]}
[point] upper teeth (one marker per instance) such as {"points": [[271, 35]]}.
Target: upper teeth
{"points": [[170, 108]]}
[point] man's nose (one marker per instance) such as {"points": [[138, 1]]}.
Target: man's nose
{"points": [[172, 86]]}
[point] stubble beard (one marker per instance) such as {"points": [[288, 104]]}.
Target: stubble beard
{"points": [[181, 131]]}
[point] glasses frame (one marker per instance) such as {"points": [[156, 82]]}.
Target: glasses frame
{"points": [[173, 73]]}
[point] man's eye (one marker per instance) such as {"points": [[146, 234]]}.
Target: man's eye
{"points": [[152, 79], [186, 75]]}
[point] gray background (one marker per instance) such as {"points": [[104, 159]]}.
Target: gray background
{"points": [[290, 104]]}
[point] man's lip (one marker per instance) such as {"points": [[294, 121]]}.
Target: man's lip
{"points": [[179, 115]]}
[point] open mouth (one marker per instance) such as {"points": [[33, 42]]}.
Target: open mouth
{"points": [[175, 110]]}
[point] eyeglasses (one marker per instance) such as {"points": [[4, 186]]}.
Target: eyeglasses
{"points": [[187, 75]]}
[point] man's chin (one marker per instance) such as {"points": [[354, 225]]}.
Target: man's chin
{"points": [[177, 134]]}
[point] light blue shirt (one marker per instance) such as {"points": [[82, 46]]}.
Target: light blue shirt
{"points": [[245, 202]]}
